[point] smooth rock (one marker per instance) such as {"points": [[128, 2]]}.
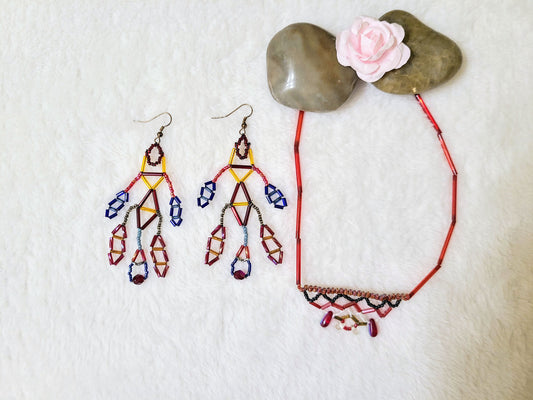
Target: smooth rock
{"points": [[303, 71], [434, 60]]}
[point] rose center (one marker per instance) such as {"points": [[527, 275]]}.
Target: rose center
{"points": [[371, 42]]}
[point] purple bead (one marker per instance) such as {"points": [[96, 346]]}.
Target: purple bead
{"points": [[372, 327], [240, 275], [327, 319]]}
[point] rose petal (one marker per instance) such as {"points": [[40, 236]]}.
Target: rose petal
{"points": [[390, 60], [406, 54], [356, 26], [352, 53], [370, 77], [354, 43], [397, 30], [340, 45], [383, 30], [369, 43], [345, 51], [368, 20], [387, 40], [358, 63], [365, 68], [384, 48]]}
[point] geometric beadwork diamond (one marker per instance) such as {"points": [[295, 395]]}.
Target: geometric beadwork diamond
{"points": [[116, 204], [275, 196], [175, 211], [271, 245], [117, 244], [159, 256], [206, 193], [215, 245]]}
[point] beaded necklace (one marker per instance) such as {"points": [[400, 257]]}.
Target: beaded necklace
{"points": [[309, 70], [364, 302]]}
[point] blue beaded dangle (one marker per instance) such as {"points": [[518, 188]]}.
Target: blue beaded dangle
{"points": [[146, 212], [241, 205]]}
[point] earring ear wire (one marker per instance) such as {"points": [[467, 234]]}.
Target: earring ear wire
{"points": [[159, 134], [242, 131]]}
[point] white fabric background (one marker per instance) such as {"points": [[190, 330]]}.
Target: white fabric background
{"points": [[377, 195]]}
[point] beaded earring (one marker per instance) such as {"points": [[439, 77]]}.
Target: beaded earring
{"points": [[241, 166], [146, 211], [308, 71]]}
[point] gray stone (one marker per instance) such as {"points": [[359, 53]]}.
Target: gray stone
{"points": [[303, 71], [434, 58]]}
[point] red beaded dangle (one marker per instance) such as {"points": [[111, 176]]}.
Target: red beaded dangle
{"points": [[146, 212], [363, 302], [241, 205]]}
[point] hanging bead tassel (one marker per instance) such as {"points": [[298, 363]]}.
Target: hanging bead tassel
{"points": [[274, 195], [175, 211], [115, 205], [243, 255], [138, 278], [207, 193], [159, 256], [119, 235], [271, 245], [215, 245], [240, 274]]}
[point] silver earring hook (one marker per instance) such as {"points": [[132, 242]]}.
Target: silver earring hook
{"points": [[160, 133], [242, 131]]}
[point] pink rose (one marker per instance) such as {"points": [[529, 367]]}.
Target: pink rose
{"points": [[372, 48]]}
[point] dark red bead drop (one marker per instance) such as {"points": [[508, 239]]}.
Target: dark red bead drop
{"points": [[327, 319], [138, 279], [372, 327], [240, 275]]}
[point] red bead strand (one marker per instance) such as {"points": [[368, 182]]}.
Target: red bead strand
{"points": [[299, 204], [265, 180], [220, 173], [169, 183], [454, 197], [133, 182]]}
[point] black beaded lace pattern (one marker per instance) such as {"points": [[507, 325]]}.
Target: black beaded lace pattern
{"points": [[381, 304]]}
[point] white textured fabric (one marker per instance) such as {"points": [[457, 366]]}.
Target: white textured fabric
{"points": [[74, 74]]}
